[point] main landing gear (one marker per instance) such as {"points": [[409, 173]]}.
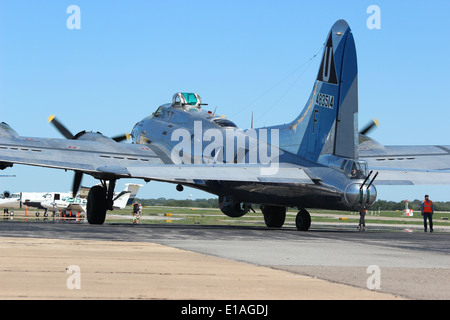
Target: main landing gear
{"points": [[274, 217], [303, 220], [99, 200]]}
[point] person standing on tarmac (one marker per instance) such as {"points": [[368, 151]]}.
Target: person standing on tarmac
{"points": [[136, 211], [362, 220], [427, 212]]}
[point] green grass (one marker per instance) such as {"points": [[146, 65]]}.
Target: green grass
{"points": [[179, 215], [212, 216]]}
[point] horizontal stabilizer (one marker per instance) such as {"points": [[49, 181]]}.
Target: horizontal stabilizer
{"points": [[411, 177]]}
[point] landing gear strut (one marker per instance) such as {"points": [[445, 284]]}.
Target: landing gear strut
{"points": [[303, 220], [100, 199]]}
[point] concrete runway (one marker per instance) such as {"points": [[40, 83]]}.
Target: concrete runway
{"points": [[124, 261]]}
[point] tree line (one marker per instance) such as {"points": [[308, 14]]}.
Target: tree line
{"points": [[213, 203], [414, 205], [196, 203]]}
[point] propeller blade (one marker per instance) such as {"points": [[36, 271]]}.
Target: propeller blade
{"points": [[60, 127], [68, 135], [369, 127], [122, 137], [76, 182]]}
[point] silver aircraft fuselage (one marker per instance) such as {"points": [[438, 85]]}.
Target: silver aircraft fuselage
{"points": [[331, 183]]}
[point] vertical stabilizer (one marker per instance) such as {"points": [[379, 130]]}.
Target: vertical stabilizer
{"points": [[329, 122], [133, 188]]}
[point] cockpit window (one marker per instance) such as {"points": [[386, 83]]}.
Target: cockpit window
{"points": [[157, 112], [222, 122]]}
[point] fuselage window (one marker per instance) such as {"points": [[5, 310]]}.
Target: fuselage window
{"points": [[221, 122]]}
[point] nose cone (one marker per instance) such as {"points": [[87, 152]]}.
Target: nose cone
{"points": [[360, 198]]}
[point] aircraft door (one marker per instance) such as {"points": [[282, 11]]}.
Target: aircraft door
{"points": [[313, 133]]}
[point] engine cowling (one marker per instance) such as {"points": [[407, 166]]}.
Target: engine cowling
{"points": [[232, 207]]}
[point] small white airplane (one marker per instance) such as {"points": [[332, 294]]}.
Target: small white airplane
{"points": [[78, 204], [18, 200], [10, 201], [61, 201]]}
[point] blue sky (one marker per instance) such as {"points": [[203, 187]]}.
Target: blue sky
{"points": [[240, 56]]}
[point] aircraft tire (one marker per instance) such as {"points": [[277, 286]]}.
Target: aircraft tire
{"points": [[274, 216], [96, 205], [303, 220]]}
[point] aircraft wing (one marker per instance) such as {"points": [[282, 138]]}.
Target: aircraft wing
{"points": [[104, 158], [408, 165], [223, 172], [80, 155]]}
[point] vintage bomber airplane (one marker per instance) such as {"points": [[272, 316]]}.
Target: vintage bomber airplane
{"points": [[313, 163]]}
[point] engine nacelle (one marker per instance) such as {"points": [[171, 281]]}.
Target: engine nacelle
{"points": [[92, 136], [6, 194], [232, 207]]}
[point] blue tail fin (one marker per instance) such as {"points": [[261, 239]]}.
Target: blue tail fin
{"points": [[329, 122]]}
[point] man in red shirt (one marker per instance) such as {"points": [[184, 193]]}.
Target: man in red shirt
{"points": [[427, 212]]}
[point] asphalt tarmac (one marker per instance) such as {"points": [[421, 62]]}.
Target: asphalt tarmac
{"points": [[126, 261]]}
